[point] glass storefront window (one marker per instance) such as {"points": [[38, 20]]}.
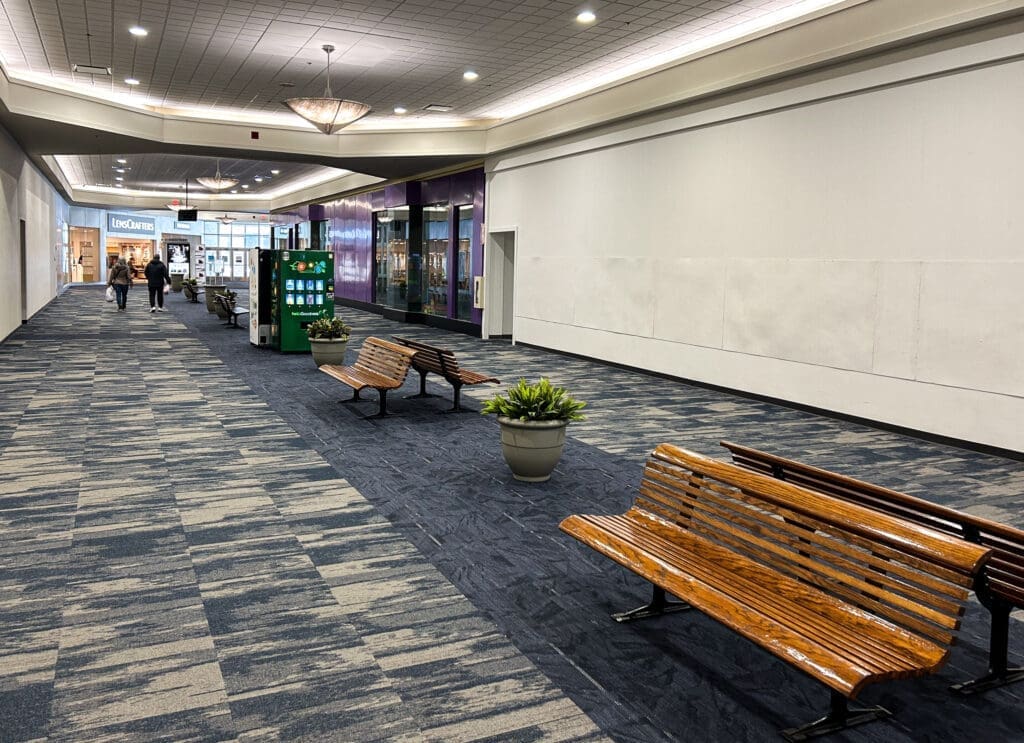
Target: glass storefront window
{"points": [[391, 254], [435, 260], [464, 257]]}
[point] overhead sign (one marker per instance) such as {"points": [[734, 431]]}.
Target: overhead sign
{"points": [[183, 226], [130, 224]]}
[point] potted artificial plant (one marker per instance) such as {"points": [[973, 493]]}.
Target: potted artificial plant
{"points": [[328, 338], [533, 419]]}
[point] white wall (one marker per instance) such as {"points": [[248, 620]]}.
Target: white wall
{"points": [[25, 194], [860, 253]]}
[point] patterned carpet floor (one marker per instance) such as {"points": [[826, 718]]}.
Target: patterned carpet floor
{"points": [[199, 542]]}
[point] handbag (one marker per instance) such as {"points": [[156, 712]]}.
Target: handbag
{"points": [[110, 294]]}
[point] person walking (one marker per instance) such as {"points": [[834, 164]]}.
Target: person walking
{"points": [[120, 278], [156, 277]]}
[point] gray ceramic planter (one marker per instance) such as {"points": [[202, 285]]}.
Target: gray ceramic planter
{"points": [[328, 351], [532, 448]]}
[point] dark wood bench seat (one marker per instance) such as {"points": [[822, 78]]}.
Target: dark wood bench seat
{"points": [[441, 361], [847, 595], [231, 312], [1001, 588], [191, 294], [381, 365]]}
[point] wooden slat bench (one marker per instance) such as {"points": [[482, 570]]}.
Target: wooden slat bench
{"points": [[846, 594], [441, 361], [1002, 586], [191, 294], [381, 364], [233, 313]]}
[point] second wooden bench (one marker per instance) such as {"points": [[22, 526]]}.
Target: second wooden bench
{"points": [[381, 365], [1002, 586], [441, 361]]}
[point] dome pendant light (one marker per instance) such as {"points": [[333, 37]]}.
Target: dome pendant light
{"points": [[328, 114], [217, 182]]}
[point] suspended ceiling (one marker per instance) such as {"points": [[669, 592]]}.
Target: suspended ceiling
{"points": [[213, 75]]}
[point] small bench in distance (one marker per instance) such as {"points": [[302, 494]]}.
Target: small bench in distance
{"points": [[381, 364], [232, 312], [1001, 587], [441, 361], [845, 594]]}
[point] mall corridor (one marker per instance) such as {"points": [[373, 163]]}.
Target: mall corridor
{"points": [[199, 543]]}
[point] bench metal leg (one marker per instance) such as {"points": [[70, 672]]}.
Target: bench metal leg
{"points": [[659, 605], [382, 411], [839, 717], [999, 672], [457, 401], [355, 397], [423, 388]]}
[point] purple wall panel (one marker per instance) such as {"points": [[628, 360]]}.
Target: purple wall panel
{"points": [[352, 242], [436, 191]]}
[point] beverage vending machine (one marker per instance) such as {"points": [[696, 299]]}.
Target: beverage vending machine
{"points": [[288, 289]]}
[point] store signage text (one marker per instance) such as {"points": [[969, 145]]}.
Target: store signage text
{"points": [[126, 223]]}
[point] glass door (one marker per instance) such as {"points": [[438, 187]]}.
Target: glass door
{"points": [[391, 255], [464, 259], [436, 236]]}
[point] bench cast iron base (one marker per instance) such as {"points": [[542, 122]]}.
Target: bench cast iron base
{"points": [[382, 411], [659, 605], [999, 671], [991, 680], [839, 717]]}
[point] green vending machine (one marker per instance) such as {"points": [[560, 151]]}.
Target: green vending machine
{"points": [[302, 290]]}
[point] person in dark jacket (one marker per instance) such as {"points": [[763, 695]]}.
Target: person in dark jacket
{"points": [[156, 277], [120, 278]]}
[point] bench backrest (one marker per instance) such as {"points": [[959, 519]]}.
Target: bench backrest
{"points": [[904, 573], [384, 357], [432, 359], [1004, 573]]}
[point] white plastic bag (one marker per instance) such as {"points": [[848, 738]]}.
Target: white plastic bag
{"points": [[167, 288], [110, 293]]}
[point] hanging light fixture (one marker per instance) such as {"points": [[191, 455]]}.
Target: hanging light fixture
{"points": [[328, 113], [176, 205], [225, 219], [217, 182]]}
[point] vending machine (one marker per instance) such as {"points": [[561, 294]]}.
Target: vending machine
{"points": [[261, 283], [301, 290]]}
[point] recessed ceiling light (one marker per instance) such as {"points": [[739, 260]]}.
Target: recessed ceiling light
{"points": [[470, 75], [258, 179], [119, 178], [401, 110], [130, 81], [234, 190], [245, 185], [586, 16], [118, 185], [137, 31], [119, 170], [122, 160], [275, 172]]}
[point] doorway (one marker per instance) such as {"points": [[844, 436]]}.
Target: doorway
{"points": [[499, 289], [84, 248], [23, 247]]}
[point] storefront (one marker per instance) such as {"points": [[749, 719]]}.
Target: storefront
{"points": [[412, 251]]}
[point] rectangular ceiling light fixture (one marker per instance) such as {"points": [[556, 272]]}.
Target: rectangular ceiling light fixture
{"points": [[438, 107], [88, 69]]}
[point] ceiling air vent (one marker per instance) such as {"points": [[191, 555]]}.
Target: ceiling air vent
{"points": [[88, 69], [439, 108]]}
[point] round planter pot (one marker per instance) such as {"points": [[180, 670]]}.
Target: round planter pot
{"points": [[211, 292], [532, 448], [176, 282], [328, 350]]}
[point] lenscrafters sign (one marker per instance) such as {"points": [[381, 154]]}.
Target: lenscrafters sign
{"points": [[130, 224]]}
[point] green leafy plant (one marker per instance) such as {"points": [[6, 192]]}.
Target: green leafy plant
{"points": [[540, 401], [191, 283], [326, 328]]}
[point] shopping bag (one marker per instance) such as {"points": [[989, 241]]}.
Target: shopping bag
{"points": [[167, 288], [110, 294]]}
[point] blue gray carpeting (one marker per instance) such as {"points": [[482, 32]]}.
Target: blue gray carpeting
{"points": [[200, 543]]}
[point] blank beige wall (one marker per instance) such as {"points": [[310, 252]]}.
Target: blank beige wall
{"points": [[860, 253]]}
